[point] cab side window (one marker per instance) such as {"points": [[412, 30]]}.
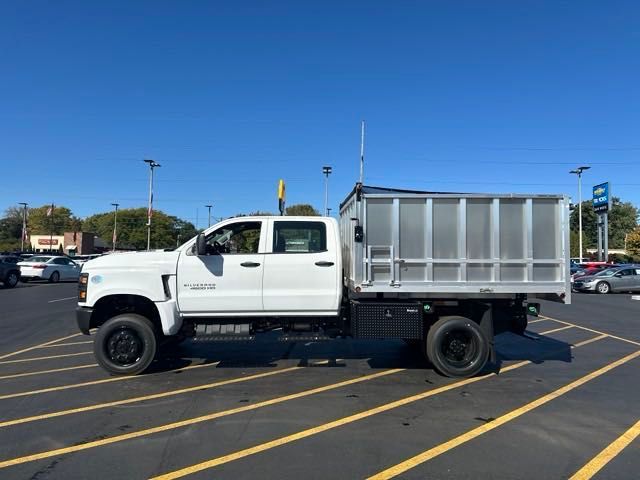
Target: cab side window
{"points": [[299, 237], [235, 238]]}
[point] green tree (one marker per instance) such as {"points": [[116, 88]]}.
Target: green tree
{"points": [[301, 209], [623, 218], [11, 229], [62, 220], [166, 230], [575, 244]]}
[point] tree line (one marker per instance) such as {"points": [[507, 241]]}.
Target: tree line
{"points": [[167, 231]]}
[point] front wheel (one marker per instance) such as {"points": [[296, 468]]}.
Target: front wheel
{"points": [[457, 347], [55, 277], [603, 288], [126, 344]]}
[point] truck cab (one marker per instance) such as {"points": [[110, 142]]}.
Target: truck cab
{"points": [[240, 274]]}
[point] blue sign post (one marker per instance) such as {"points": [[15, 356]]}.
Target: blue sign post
{"points": [[601, 198], [601, 205]]}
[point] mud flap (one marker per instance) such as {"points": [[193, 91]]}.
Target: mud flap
{"points": [[486, 325]]}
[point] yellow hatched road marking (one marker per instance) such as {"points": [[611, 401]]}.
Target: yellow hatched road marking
{"points": [[633, 342], [44, 358], [476, 432], [192, 421], [101, 381], [53, 370], [608, 454], [65, 344], [40, 345], [336, 423]]}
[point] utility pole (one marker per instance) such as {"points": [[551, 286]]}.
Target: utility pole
{"points": [[51, 228], [209, 208], [327, 171], [115, 226], [362, 152], [24, 225], [578, 171], [152, 165]]}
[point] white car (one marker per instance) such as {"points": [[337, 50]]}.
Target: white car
{"points": [[49, 267]]}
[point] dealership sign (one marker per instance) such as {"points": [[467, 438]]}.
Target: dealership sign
{"points": [[601, 198]]}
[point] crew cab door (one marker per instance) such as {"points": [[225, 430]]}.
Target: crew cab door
{"points": [[302, 271], [229, 277]]}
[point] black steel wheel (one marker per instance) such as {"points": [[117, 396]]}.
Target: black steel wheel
{"points": [[11, 280], [457, 347], [126, 344]]}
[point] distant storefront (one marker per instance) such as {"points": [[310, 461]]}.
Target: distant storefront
{"points": [[71, 243]]}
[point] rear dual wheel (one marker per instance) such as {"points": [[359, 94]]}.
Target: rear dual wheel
{"points": [[457, 347]]}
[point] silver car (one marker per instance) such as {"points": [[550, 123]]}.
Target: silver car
{"points": [[620, 279]]}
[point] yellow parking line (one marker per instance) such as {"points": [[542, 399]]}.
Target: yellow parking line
{"points": [[28, 349], [556, 330], [537, 320], [594, 331], [331, 425], [101, 381], [54, 370], [192, 421], [154, 396], [605, 456], [33, 359], [65, 344], [487, 427]]}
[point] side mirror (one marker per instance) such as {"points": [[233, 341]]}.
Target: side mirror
{"points": [[201, 244]]}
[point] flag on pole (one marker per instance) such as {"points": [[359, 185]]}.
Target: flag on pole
{"points": [[150, 212], [50, 210]]}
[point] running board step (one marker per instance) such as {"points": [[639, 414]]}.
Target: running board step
{"points": [[229, 332]]}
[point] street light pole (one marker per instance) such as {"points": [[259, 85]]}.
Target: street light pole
{"points": [[24, 225], [115, 226], [327, 171], [578, 171], [209, 208], [152, 165]]}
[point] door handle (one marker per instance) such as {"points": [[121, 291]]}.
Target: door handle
{"points": [[249, 264], [324, 264]]}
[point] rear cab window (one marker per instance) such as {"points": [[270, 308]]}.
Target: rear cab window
{"points": [[299, 237]]}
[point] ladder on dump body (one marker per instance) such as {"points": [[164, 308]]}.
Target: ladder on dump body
{"points": [[381, 260]]}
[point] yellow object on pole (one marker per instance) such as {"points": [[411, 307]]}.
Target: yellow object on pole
{"points": [[281, 196]]}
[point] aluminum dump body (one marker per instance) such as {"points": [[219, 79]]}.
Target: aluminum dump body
{"points": [[455, 243]]}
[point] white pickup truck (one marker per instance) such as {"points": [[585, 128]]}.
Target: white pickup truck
{"points": [[441, 271]]}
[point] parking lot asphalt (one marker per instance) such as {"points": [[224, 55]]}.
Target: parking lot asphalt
{"points": [[565, 403]]}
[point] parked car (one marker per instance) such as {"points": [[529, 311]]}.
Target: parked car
{"points": [[81, 259], [49, 267], [9, 270], [618, 279], [588, 269]]}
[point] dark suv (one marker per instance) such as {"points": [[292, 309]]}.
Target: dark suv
{"points": [[9, 270]]}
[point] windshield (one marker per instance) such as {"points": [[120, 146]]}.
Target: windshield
{"points": [[606, 273], [38, 259]]}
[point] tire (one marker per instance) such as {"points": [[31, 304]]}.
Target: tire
{"points": [[54, 277], [457, 347], [519, 324], [603, 288], [11, 280], [125, 344]]}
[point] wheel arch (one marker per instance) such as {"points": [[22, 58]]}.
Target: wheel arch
{"points": [[111, 305]]}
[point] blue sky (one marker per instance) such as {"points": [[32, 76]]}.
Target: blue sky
{"points": [[231, 96]]}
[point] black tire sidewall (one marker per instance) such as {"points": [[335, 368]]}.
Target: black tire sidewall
{"points": [[143, 328], [51, 279], [434, 353], [7, 283]]}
